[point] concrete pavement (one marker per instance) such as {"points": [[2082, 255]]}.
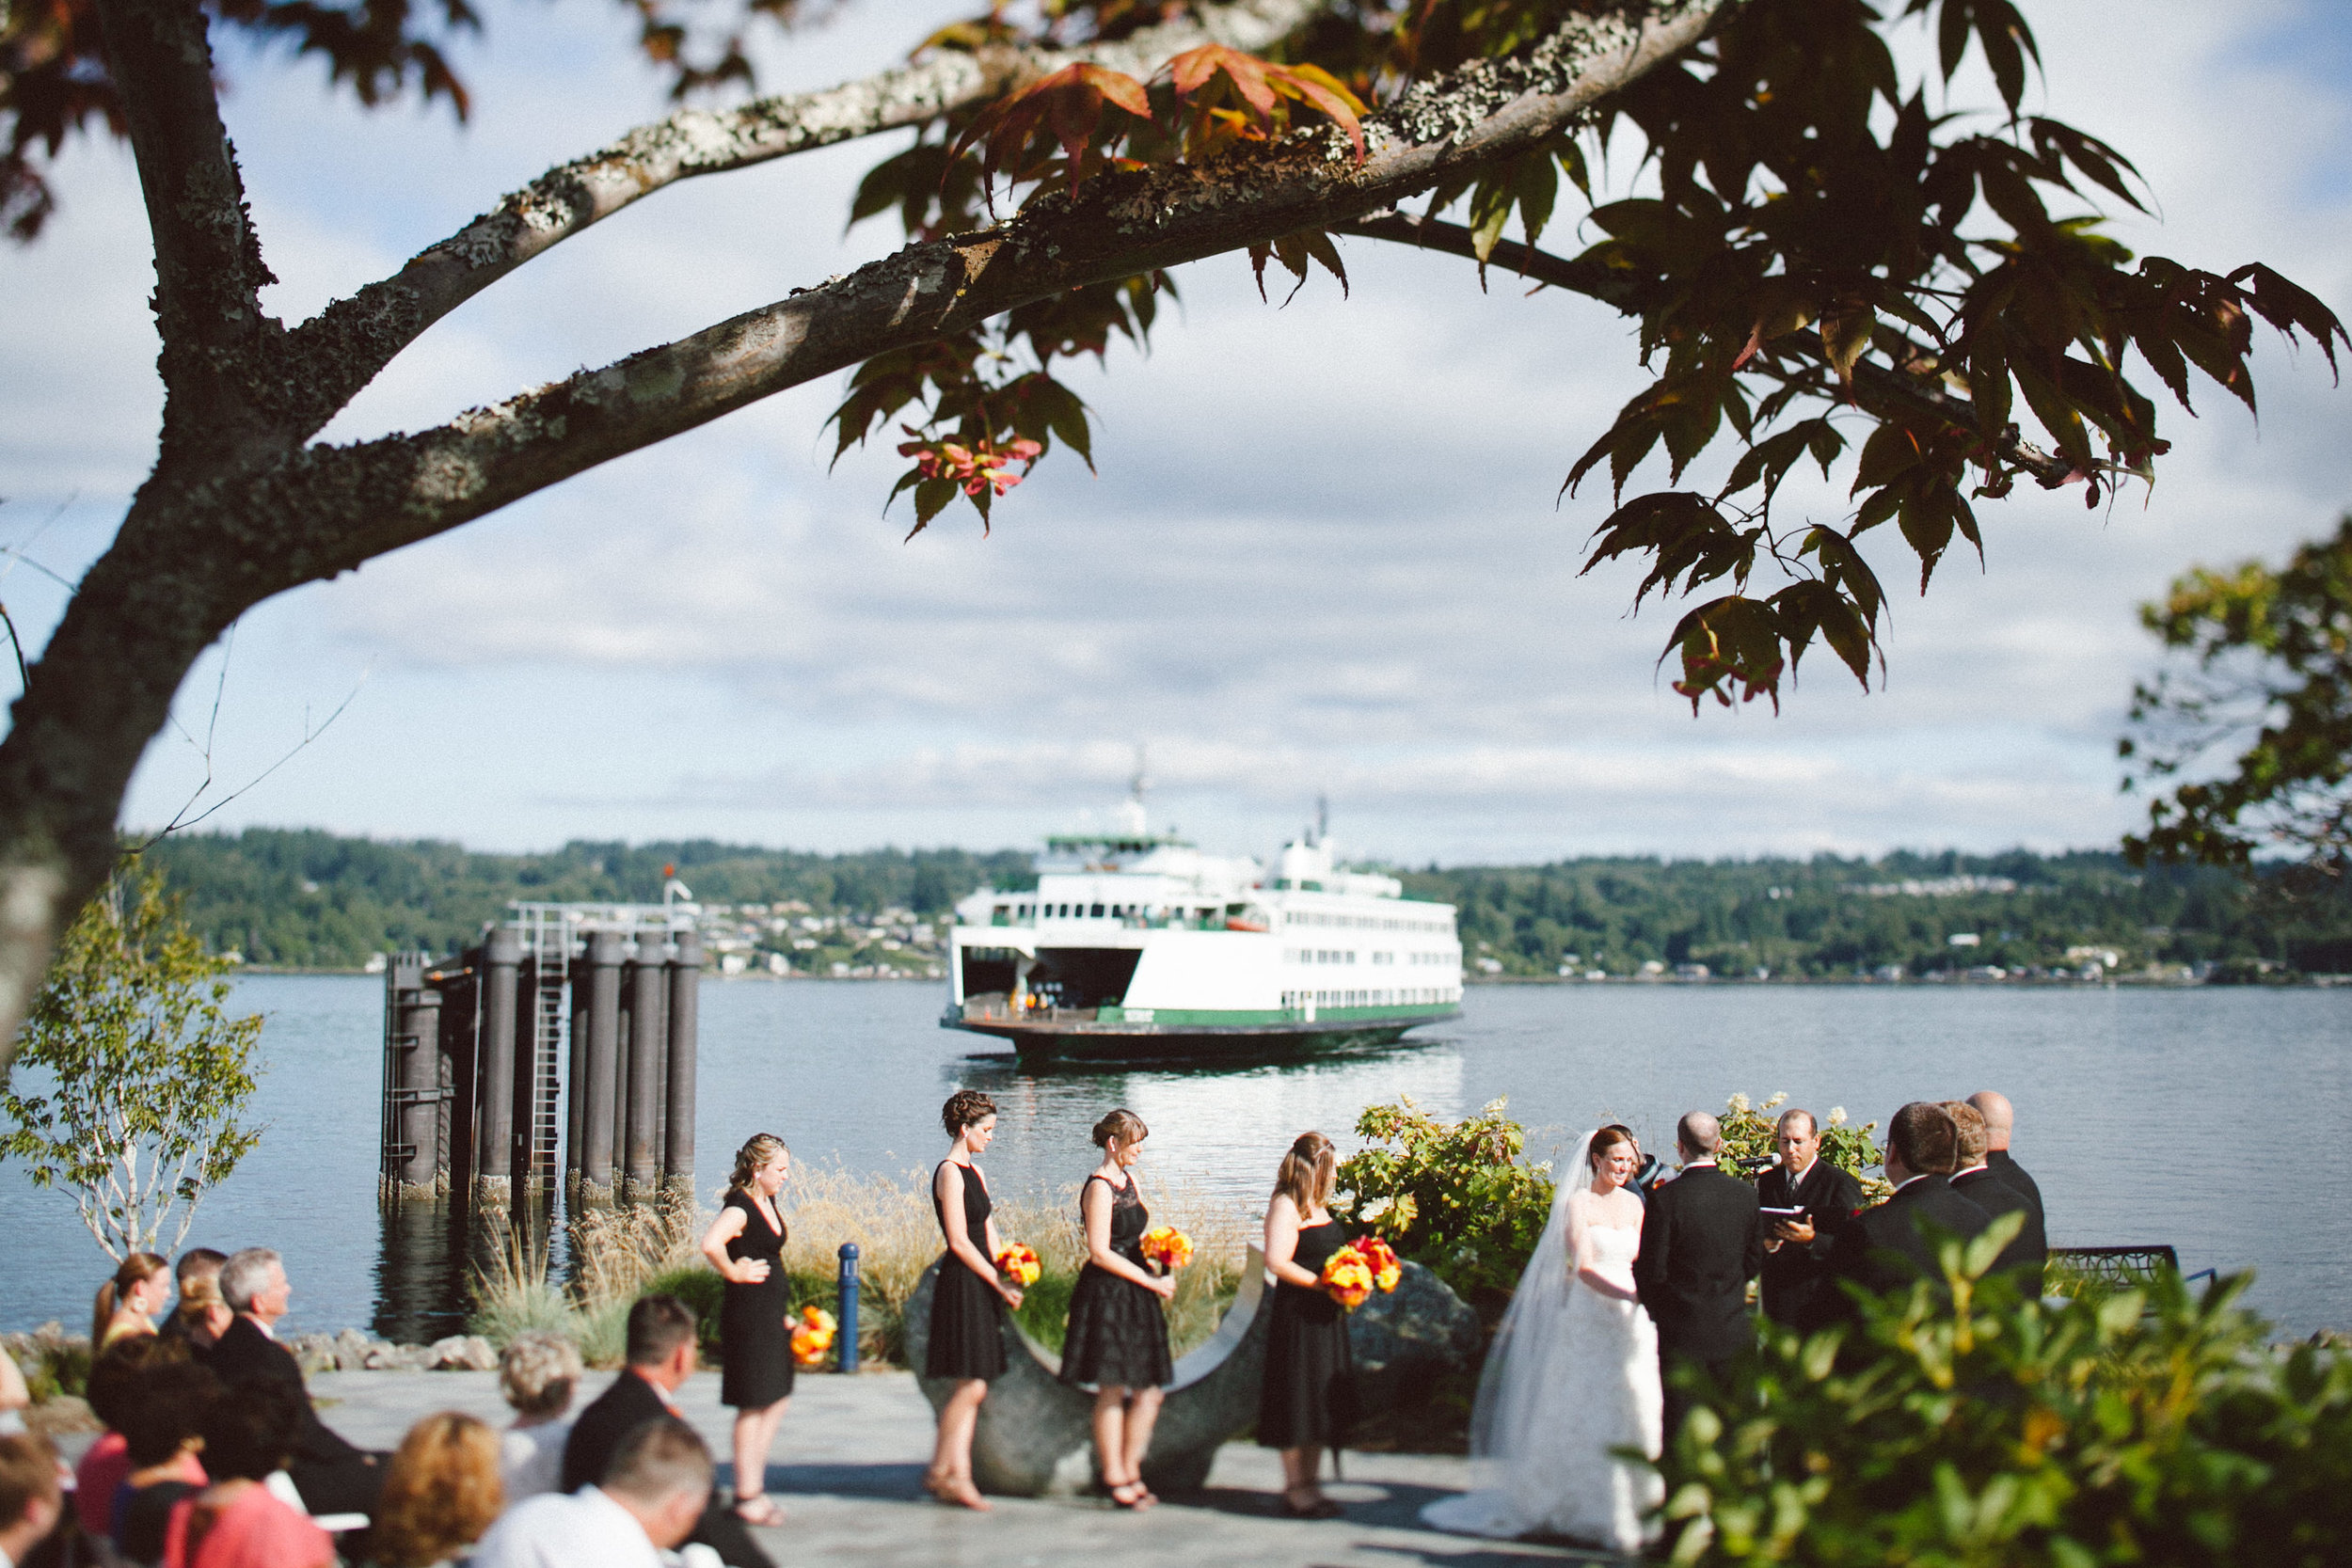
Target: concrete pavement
{"points": [[848, 1466]]}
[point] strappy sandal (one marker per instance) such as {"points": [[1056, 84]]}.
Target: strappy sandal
{"points": [[760, 1511]]}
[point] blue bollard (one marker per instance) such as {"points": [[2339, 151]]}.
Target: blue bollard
{"points": [[848, 1314]]}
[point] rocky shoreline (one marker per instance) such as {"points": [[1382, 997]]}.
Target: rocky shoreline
{"points": [[350, 1351]]}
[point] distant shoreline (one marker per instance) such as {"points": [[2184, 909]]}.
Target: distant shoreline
{"points": [[2134, 982]]}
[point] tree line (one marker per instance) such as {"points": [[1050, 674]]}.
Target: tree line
{"points": [[313, 899]]}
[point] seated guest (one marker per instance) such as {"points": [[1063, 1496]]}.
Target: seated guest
{"points": [[1887, 1248], [199, 1316], [333, 1476], [655, 1490], [2000, 1120], [661, 1352], [250, 1429], [1796, 1284], [440, 1493], [161, 1432], [537, 1373], [2024, 1255], [127, 1304], [113, 1391], [31, 1496]]}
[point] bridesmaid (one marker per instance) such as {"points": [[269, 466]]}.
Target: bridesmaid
{"points": [[1118, 1339], [746, 1243], [1306, 1400], [127, 1304], [967, 1338]]}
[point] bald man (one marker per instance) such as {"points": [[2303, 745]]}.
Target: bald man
{"points": [[1702, 1242], [1999, 1119]]}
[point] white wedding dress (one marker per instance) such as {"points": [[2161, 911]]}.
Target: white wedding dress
{"points": [[1572, 1375]]}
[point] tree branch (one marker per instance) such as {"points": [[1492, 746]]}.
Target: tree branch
{"points": [[208, 263], [410, 487], [338, 351], [1883, 389]]}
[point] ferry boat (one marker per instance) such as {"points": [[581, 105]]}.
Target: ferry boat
{"points": [[1136, 945]]}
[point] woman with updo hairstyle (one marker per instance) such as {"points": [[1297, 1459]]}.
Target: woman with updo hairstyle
{"points": [[966, 1342], [1306, 1400], [440, 1493], [538, 1372], [1116, 1343], [746, 1243], [127, 1304]]}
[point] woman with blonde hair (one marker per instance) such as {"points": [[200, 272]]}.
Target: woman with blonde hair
{"points": [[538, 1371], [127, 1304], [746, 1243], [1116, 1343], [441, 1492], [1305, 1403]]}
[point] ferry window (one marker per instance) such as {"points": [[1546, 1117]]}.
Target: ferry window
{"points": [[1097, 911]]}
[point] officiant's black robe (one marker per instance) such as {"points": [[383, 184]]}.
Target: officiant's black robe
{"points": [[2023, 1258], [1888, 1248], [1796, 1276]]}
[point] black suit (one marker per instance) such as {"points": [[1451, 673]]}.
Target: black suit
{"points": [[2015, 1174], [1796, 1276], [1885, 1248], [1701, 1244], [333, 1476], [2023, 1257], [621, 1409]]}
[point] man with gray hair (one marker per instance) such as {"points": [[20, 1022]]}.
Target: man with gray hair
{"points": [[652, 1496], [333, 1476], [1701, 1244]]}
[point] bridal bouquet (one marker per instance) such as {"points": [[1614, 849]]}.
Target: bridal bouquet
{"points": [[1018, 1262], [812, 1336], [1167, 1246], [1353, 1272]]}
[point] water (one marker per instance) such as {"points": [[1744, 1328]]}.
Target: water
{"points": [[2147, 1116]]}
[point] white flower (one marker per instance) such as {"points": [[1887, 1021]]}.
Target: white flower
{"points": [[1373, 1210], [1738, 1103], [1838, 1115], [1777, 1100]]}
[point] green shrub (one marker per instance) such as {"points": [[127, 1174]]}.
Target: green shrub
{"points": [[1982, 1431], [1455, 1197], [698, 1286]]}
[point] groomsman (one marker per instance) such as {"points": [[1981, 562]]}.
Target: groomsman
{"points": [[1887, 1247], [1701, 1244], [1797, 1286], [1980, 1185], [1998, 1121]]}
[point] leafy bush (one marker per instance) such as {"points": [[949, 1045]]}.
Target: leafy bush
{"points": [[698, 1286], [1982, 1431], [1455, 1197]]}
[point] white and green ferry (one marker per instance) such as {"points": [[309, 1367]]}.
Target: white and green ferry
{"points": [[1135, 945]]}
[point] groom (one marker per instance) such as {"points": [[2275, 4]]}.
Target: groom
{"points": [[1701, 1244]]}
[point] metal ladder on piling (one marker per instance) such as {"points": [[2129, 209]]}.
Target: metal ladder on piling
{"points": [[547, 939]]}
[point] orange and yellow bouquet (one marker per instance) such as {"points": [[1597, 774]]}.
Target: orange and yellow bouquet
{"points": [[1018, 1262], [812, 1336], [1353, 1272], [1167, 1247], [1381, 1259]]}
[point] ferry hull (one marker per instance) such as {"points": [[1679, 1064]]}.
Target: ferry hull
{"points": [[1129, 1042]]}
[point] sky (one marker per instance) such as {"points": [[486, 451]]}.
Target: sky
{"points": [[1323, 555]]}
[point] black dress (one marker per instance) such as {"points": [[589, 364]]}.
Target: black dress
{"points": [[967, 1339], [1118, 1331], [752, 1337], [1309, 1397]]}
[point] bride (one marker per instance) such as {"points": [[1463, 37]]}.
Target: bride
{"points": [[1572, 1375]]}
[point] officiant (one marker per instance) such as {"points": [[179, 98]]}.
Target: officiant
{"points": [[1796, 1284]]}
